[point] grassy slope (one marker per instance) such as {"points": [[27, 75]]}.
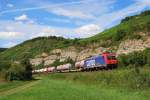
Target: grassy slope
{"points": [[39, 45], [73, 86]]}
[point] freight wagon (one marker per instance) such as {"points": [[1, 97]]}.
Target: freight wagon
{"points": [[51, 69], [65, 67], [79, 65]]}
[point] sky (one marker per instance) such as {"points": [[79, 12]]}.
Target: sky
{"points": [[22, 20]]}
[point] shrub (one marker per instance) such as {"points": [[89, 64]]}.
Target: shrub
{"points": [[57, 62], [135, 36], [138, 58], [28, 69], [15, 72], [123, 60], [12, 71]]}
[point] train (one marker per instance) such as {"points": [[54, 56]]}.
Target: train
{"points": [[105, 60]]}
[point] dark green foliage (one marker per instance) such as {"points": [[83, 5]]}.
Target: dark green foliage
{"points": [[2, 49], [4, 64], [28, 68], [127, 19], [57, 62], [135, 36], [138, 58], [120, 34], [40, 65], [132, 17], [15, 72], [145, 13], [11, 70]]}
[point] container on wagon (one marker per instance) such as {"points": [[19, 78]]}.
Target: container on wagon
{"points": [[51, 69], [64, 67], [79, 65]]}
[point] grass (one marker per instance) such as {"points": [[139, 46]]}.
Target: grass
{"points": [[126, 78], [4, 86], [81, 86]]}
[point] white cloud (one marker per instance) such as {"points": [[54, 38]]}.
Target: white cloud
{"points": [[10, 35], [26, 31], [85, 10], [10, 5], [88, 30], [70, 13], [23, 17]]}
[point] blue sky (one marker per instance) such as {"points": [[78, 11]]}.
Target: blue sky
{"points": [[21, 20]]}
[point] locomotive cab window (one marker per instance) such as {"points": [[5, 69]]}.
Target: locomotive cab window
{"points": [[111, 57]]}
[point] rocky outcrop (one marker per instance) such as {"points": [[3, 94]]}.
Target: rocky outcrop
{"points": [[128, 46], [36, 61], [63, 54]]}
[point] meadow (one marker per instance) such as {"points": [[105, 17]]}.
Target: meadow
{"points": [[119, 84]]}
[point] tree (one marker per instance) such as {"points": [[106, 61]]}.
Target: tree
{"points": [[15, 72], [28, 67], [123, 60]]}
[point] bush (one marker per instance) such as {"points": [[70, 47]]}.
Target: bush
{"points": [[135, 36], [28, 69], [12, 71], [127, 19], [15, 72], [123, 60], [138, 58], [57, 62]]}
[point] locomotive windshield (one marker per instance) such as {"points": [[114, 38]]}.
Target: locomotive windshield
{"points": [[111, 57]]}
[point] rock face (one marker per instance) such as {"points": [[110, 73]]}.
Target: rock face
{"points": [[133, 45], [63, 54], [36, 61]]}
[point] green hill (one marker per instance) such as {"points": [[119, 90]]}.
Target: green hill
{"points": [[127, 29], [2, 49]]}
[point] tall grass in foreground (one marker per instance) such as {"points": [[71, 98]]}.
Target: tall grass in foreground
{"points": [[101, 85], [128, 78]]}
